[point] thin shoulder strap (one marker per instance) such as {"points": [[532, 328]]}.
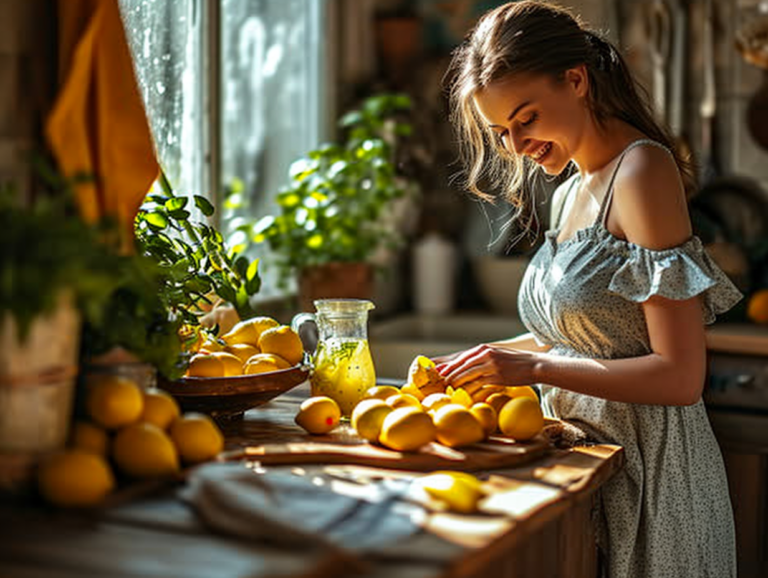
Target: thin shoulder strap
{"points": [[563, 201], [605, 206]]}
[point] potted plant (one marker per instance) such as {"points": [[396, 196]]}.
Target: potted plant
{"points": [[55, 274], [180, 271], [338, 209]]}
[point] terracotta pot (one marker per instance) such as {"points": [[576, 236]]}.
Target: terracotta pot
{"points": [[335, 280]]}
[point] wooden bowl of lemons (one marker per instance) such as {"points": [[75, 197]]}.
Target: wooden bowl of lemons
{"points": [[257, 360]]}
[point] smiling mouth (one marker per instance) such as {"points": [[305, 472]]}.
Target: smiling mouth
{"points": [[541, 152]]}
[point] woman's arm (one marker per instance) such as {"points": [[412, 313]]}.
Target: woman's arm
{"points": [[524, 342], [672, 375]]}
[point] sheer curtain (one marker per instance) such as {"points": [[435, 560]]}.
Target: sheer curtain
{"points": [[269, 105]]}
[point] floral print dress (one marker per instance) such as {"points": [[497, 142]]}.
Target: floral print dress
{"points": [[667, 513]]}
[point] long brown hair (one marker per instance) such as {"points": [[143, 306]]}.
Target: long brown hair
{"points": [[535, 37]]}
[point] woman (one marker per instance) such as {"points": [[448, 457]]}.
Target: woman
{"points": [[617, 297]]}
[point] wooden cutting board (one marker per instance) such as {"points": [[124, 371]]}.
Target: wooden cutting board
{"points": [[495, 453]]}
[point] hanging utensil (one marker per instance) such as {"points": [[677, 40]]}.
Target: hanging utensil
{"points": [[660, 30], [678, 76]]}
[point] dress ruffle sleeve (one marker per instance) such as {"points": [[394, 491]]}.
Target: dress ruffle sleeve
{"points": [[678, 273]]}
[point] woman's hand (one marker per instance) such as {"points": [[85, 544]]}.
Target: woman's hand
{"points": [[488, 364]]}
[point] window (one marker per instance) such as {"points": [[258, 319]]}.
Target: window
{"points": [[233, 94]]}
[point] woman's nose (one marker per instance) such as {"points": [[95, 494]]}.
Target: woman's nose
{"points": [[515, 142]]}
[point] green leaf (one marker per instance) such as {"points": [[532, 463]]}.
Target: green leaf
{"points": [[175, 204], [204, 205]]}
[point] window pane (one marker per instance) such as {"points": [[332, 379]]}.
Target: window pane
{"points": [[164, 37], [270, 98]]}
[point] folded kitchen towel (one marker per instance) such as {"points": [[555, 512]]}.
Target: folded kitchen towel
{"points": [[285, 508]]}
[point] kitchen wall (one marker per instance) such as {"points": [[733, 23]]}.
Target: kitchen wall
{"points": [[26, 78]]}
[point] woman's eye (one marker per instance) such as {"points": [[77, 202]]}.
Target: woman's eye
{"points": [[501, 135], [532, 117]]}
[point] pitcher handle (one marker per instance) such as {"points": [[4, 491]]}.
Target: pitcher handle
{"points": [[308, 339]]}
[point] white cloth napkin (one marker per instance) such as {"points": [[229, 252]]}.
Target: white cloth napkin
{"points": [[284, 508]]}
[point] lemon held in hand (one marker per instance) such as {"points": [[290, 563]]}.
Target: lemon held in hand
{"points": [[114, 402], [318, 415], [143, 450], [197, 438], [75, 478]]}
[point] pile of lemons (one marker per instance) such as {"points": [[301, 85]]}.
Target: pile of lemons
{"points": [[138, 434], [426, 410], [255, 345]]}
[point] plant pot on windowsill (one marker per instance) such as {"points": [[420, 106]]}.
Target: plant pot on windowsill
{"points": [[335, 280]]}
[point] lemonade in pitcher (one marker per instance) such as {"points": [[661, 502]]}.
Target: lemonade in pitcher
{"points": [[343, 368], [343, 371]]}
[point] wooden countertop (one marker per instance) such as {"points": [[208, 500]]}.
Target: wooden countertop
{"points": [[542, 505]]}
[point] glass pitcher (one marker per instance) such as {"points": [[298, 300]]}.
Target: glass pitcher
{"points": [[343, 367]]}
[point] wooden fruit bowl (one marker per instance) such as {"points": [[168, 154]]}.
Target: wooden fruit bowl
{"points": [[229, 397]]}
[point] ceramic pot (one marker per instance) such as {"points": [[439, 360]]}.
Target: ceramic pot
{"points": [[335, 281]]}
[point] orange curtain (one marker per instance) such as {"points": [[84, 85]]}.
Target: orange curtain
{"points": [[98, 126]]}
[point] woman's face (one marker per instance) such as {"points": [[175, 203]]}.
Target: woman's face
{"points": [[537, 116]]}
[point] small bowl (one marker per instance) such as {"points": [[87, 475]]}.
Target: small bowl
{"points": [[230, 397]]}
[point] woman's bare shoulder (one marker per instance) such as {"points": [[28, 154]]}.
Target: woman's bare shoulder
{"points": [[649, 205]]}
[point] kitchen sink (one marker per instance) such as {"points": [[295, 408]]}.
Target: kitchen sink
{"points": [[395, 342]]}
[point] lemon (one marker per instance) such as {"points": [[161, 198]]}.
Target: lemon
{"points": [[423, 375], [75, 478], [89, 437], [143, 450], [249, 330], [514, 391], [205, 365], [196, 437], [282, 341], [461, 397], [757, 306], [264, 363], [497, 400], [455, 426], [381, 392], [407, 429], [114, 401], [435, 401], [486, 415], [411, 389], [160, 408], [403, 400], [243, 351], [318, 414], [368, 416], [521, 418], [232, 363], [459, 491], [211, 346], [486, 391]]}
